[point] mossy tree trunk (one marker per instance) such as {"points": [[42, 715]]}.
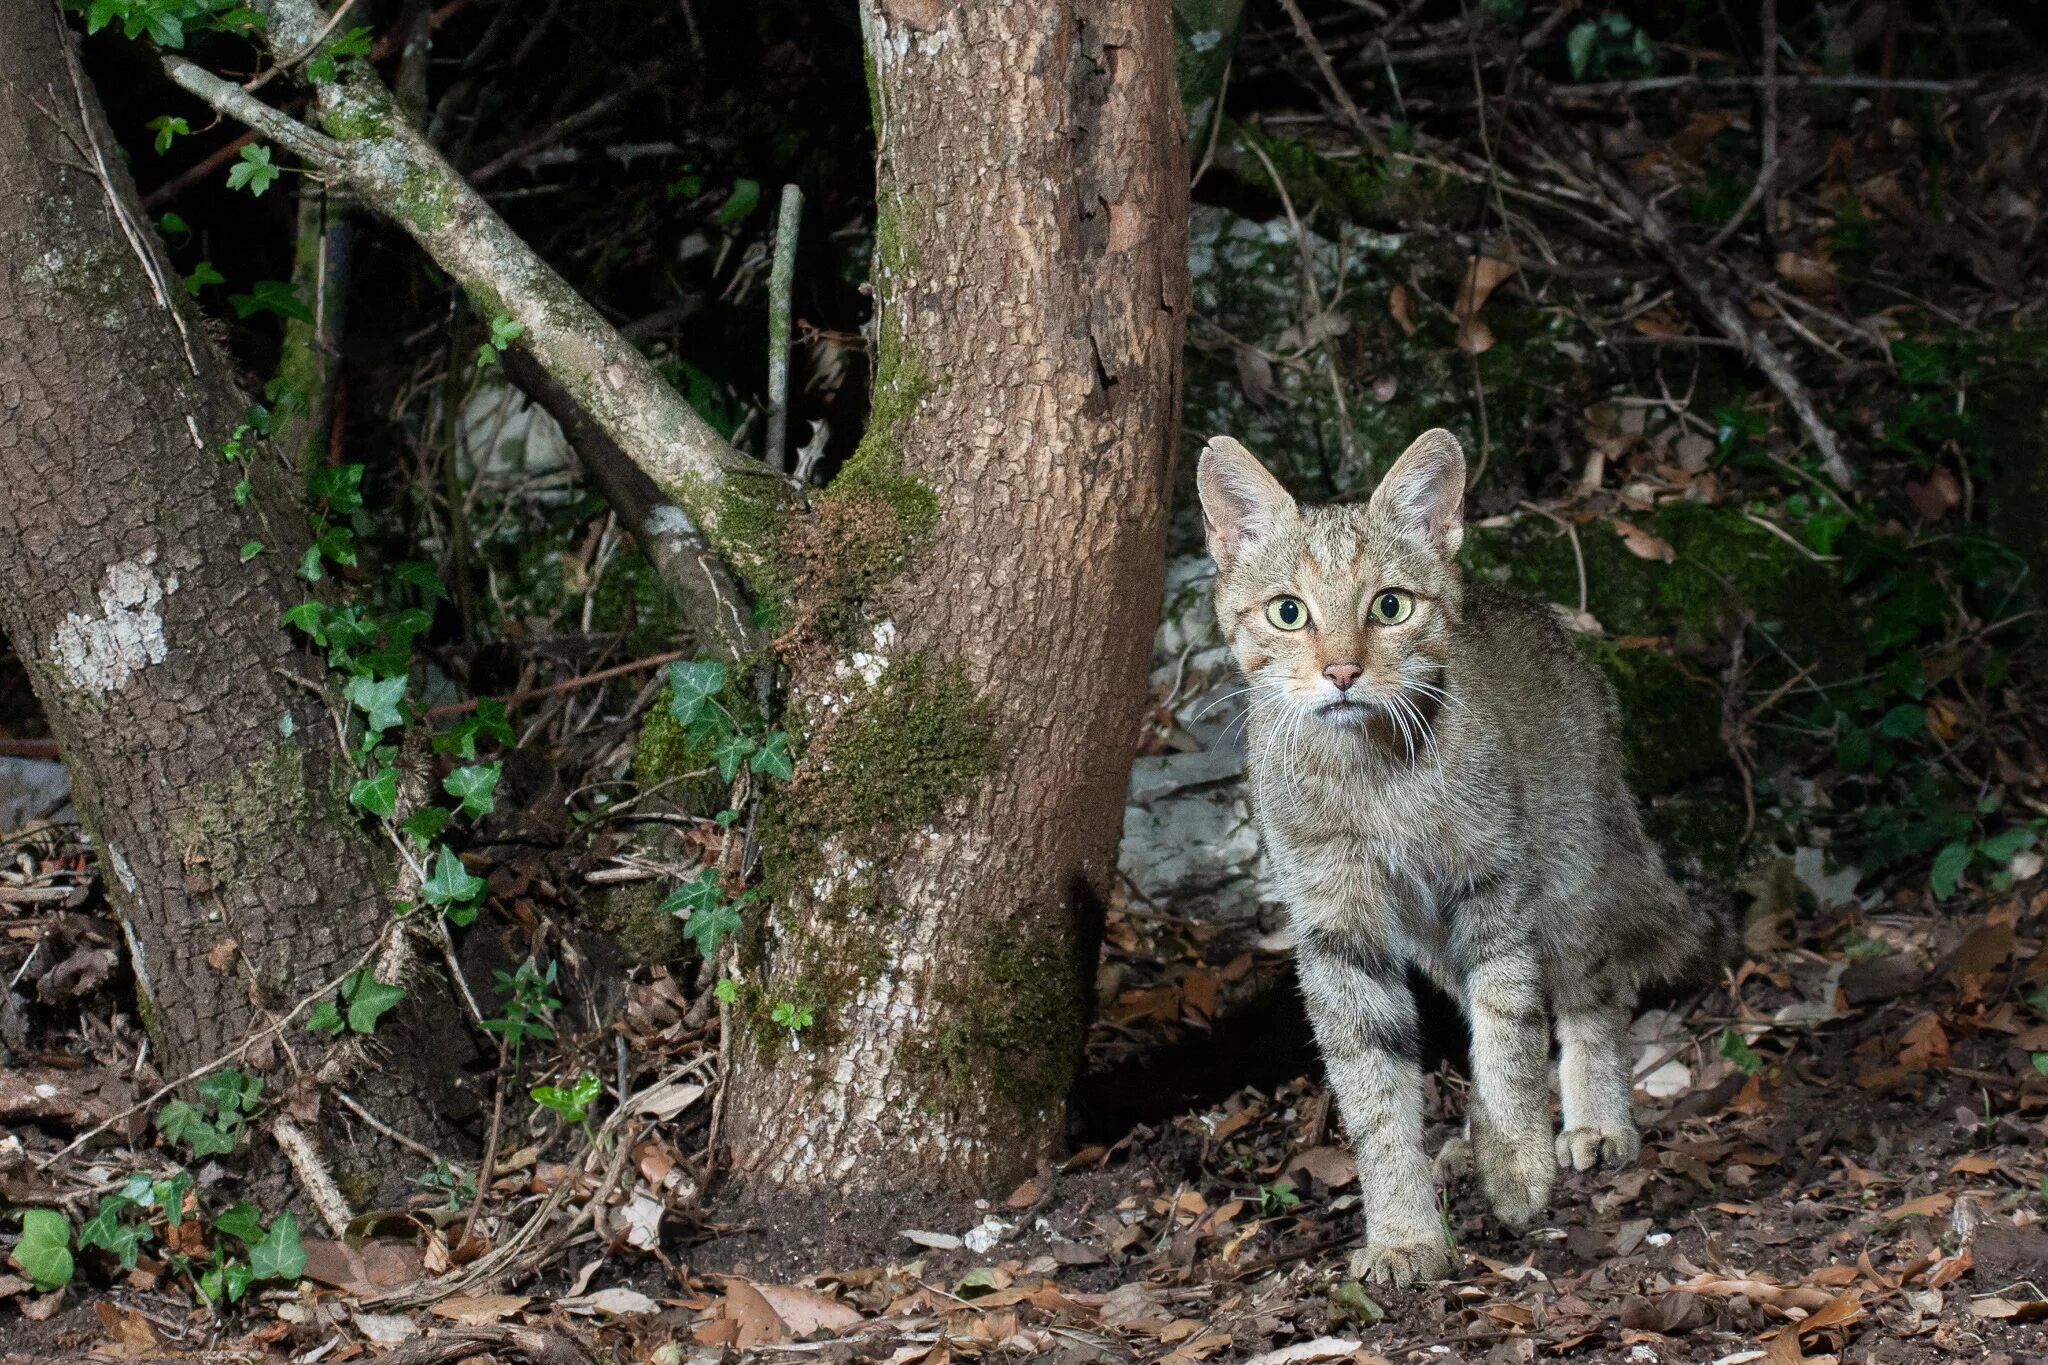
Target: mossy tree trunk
{"points": [[978, 590], [202, 757]]}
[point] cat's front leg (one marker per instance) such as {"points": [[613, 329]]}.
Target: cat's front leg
{"points": [[1365, 1022], [1595, 1081], [1511, 1132]]}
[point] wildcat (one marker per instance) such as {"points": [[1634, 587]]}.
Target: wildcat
{"points": [[1437, 772]]}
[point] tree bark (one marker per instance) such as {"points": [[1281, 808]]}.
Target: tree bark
{"points": [[204, 761], [938, 864]]}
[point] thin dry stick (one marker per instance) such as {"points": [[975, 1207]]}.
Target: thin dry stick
{"points": [[457, 708], [1578, 555], [781, 283], [234, 1054], [490, 1157], [1695, 277], [1768, 171], [1345, 436], [383, 1129], [1331, 79]]}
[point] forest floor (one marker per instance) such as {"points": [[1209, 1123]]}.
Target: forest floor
{"points": [[1843, 1160]]}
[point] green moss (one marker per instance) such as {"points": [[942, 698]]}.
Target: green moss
{"points": [[667, 754], [1015, 1028], [905, 744], [633, 916], [358, 1187], [426, 201], [1670, 722], [1535, 555], [1701, 833], [1727, 566]]}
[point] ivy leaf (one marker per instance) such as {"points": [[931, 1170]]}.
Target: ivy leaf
{"points": [[309, 565], [325, 1018], [708, 929], [573, 1102], [107, 1230], [422, 576], [378, 795], [2000, 848], [255, 171], [695, 897], [279, 1256], [451, 884], [378, 701], [180, 1122], [1904, 722], [340, 484], [1948, 869], [99, 12], [692, 686], [167, 128], [242, 1222], [475, 787], [1578, 48], [744, 199], [202, 275], [321, 70], [232, 1091], [368, 999], [731, 752], [173, 225], [772, 758], [309, 617], [44, 1250], [1736, 1049], [426, 823]]}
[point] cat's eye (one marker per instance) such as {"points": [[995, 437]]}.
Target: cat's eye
{"points": [[1392, 607], [1287, 613]]}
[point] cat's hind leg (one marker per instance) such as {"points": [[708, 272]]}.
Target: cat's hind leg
{"points": [[1365, 1022]]}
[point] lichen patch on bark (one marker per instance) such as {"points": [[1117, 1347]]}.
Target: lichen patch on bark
{"points": [[103, 652]]}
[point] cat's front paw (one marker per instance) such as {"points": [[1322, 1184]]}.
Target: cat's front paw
{"points": [[1581, 1149], [1516, 1177], [1400, 1264]]}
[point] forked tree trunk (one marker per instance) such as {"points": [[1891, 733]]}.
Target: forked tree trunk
{"points": [[979, 586], [211, 782]]}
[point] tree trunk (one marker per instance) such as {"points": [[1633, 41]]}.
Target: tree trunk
{"points": [[975, 598], [203, 758]]}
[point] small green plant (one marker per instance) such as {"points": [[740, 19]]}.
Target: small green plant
{"points": [[324, 68], [708, 914], [444, 1179], [1278, 1198], [529, 993], [1737, 1050], [1608, 47], [254, 172], [1998, 850], [504, 332], [792, 1016], [166, 22], [571, 1102], [365, 999], [210, 1128]]}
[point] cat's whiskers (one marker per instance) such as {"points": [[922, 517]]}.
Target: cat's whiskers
{"points": [[1215, 702]]}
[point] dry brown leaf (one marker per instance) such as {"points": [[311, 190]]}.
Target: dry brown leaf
{"points": [[1974, 1164], [804, 1310], [755, 1321], [1925, 1044], [1333, 1166], [481, 1310], [1836, 1276], [1642, 544], [1807, 274], [1199, 994], [1402, 309], [221, 955], [1936, 498], [131, 1332], [1483, 275], [1836, 1312], [1024, 1196], [1474, 336], [1699, 130], [1926, 1206]]}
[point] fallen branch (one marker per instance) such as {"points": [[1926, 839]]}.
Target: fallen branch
{"points": [[391, 167], [1695, 276], [504, 1339]]}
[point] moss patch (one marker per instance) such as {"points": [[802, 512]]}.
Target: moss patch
{"points": [[225, 825], [1670, 723], [1019, 1021], [633, 916]]}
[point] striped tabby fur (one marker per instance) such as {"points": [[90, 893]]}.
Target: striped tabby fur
{"points": [[1459, 809]]}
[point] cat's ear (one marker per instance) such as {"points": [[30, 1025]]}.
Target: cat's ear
{"points": [[1423, 495], [1241, 500]]}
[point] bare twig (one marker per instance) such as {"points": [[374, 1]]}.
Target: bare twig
{"points": [[1695, 278], [383, 1129], [1768, 171], [457, 708], [1331, 79], [781, 281]]}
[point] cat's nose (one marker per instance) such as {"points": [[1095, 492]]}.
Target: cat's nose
{"points": [[1342, 674]]}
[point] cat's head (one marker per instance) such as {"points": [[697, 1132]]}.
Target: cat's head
{"points": [[1340, 613]]}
